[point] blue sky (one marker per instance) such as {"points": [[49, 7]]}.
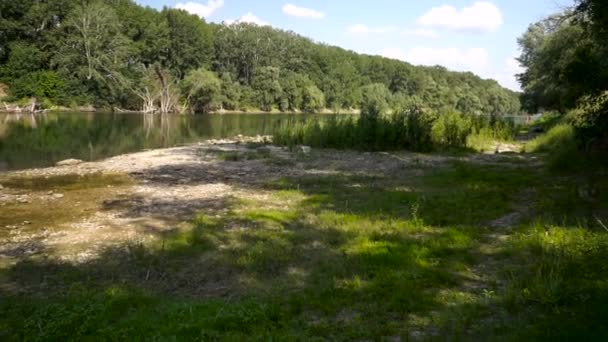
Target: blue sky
{"points": [[464, 35]]}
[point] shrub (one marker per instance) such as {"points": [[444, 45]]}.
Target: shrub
{"points": [[40, 84], [374, 99], [410, 130], [590, 120], [313, 99], [203, 90], [561, 146], [558, 136], [451, 130]]}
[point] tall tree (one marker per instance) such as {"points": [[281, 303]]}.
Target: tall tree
{"points": [[202, 88], [191, 45]]}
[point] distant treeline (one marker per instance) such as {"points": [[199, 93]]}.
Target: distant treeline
{"points": [[117, 54]]}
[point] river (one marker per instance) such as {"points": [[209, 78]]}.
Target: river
{"points": [[28, 140]]}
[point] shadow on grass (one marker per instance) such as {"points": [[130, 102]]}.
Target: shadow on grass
{"points": [[342, 257]]}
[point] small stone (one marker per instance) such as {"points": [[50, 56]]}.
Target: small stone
{"points": [[22, 200], [304, 149], [26, 223], [69, 162], [58, 195]]}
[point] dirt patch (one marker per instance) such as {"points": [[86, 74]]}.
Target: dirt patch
{"points": [[74, 212]]}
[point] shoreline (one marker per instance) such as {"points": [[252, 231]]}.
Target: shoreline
{"points": [[221, 112]]}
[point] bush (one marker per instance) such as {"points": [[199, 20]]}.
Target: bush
{"points": [[313, 99], [374, 99], [410, 130], [41, 84], [203, 89], [590, 120], [556, 138], [561, 146], [451, 130]]}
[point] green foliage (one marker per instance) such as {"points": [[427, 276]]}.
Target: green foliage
{"points": [[338, 256], [411, 130], [562, 134], [101, 50], [190, 42], [231, 92], [42, 84], [565, 58], [590, 119], [562, 273], [374, 99], [562, 149], [23, 59], [451, 130], [268, 88], [313, 100], [203, 89]]}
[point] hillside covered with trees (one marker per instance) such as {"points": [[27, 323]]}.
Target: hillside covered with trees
{"points": [[117, 54]]}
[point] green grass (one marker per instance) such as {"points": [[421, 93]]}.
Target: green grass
{"points": [[413, 131], [341, 257], [562, 150], [555, 138]]}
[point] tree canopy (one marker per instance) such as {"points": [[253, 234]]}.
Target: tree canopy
{"points": [[565, 57], [114, 53]]}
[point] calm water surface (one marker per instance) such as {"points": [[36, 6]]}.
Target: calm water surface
{"points": [[40, 140]]}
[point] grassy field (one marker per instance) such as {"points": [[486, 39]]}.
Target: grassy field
{"points": [[466, 251]]}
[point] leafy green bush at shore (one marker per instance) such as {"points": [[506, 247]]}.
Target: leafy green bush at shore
{"points": [[590, 119], [560, 145], [555, 138], [410, 130], [577, 140]]}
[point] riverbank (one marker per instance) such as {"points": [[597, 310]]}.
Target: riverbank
{"points": [[9, 108], [241, 239]]}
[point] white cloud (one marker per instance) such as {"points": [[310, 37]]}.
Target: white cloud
{"points": [[364, 29], [203, 11], [296, 11], [421, 32], [482, 16], [506, 76], [248, 18], [394, 53], [476, 60]]}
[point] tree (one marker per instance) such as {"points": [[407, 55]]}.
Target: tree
{"points": [[203, 89], [23, 59], [94, 53], [313, 99], [562, 63], [94, 44], [267, 86], [374, 99], [104, 51], [231, 92], [191, 45]]}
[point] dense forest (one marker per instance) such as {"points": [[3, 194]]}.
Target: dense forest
{"points": [[565, 57], [116, 54]]}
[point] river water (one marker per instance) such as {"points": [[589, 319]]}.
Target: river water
{"points": [[40, 140]]}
